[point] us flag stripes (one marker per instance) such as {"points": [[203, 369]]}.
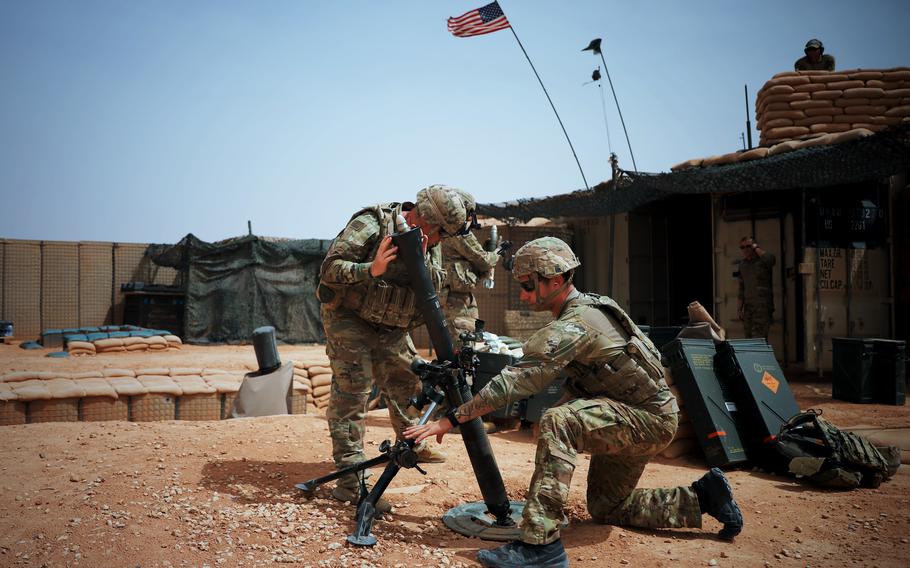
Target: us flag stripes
{"points": [[487, 19]]}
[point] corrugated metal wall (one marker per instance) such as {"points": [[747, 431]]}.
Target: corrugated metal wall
{"points": [[54, 284]]}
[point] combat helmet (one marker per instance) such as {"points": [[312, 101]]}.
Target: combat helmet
{"points": [[471, 206], [443, 206], [815, 44], [546, 256]]}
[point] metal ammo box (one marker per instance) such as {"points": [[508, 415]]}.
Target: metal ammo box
{"points": [[488, 366], [710, 406], [761, 391]]}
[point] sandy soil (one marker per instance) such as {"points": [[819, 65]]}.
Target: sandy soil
{"points": [[221, 494]]}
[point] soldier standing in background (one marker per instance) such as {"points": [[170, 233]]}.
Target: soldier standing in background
{"points": [[756, 294], [466, 263], [815, 58], [617, 407], [367, 310]]}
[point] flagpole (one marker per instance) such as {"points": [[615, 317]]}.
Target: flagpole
{"points": [[626, 132], [512, 28]]}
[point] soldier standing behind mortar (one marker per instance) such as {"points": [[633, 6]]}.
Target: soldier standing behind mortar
{"points": [[617, 407], [466, 263], [756, 294], [367, 311]]}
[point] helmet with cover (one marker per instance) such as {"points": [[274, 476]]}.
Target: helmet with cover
{"points": [[443, 206], [546, 256]]}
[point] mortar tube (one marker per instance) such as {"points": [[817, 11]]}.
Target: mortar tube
{"points": [[477, 445]]}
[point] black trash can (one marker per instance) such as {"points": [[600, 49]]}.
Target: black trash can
{"points": [[852, 369], [889, 371]]}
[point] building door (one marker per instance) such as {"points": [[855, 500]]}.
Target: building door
{"points": [[670, 259]]}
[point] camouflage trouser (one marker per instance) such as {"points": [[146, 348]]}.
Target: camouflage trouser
{"points": [[757, 319], [361, 356], [621, 441], [461, 313]]}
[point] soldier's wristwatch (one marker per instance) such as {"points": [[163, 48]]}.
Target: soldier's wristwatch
{"points": [[453, 420]]}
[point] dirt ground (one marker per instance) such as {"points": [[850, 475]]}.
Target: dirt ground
{"points": [[221, 494]]}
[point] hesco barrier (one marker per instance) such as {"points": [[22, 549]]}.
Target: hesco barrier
{"points": [[58, 284]]}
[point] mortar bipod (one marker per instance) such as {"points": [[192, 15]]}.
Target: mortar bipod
{"points": [[396, 456]]}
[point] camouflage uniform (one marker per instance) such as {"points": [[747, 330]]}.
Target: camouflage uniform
{"points": [[756, 294], [622, 413], [366, 323], [824, 63], [465, 262]]}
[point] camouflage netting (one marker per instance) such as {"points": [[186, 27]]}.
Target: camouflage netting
{"points": [[239, 284], [873, 157]]}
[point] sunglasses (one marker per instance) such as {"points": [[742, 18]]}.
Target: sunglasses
{"points": [[744, 248], [528, 285]]}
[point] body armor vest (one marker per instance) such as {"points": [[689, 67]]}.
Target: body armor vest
{"points": [[634, 377], [813, 448], [387, 300]]}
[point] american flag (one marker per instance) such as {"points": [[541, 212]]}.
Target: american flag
{"points": [[481, 21]]}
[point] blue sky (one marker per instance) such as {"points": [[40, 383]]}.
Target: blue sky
{"points": [[142, 121]]}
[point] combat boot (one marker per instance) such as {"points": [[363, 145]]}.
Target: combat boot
{"points": [[715, 497], [518, 554], [429, 454], [352, 495]]}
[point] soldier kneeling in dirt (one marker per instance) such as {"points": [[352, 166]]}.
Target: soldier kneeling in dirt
{"points": [[618, 408]]}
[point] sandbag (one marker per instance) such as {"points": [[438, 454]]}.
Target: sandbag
{"points": [[319, 370], [137, 347], [32, 389], [103, 344], [826, 119], [803, 105], [160, 384], [844, 85], [830, 110], [193, 384], [830, 127], [82, 346], [863, 93], [177, 371], [322, 391], [96, 387], [320, 380], [827, 94], [787, 132], [782, 148], [127, 386], [111, 372], [776, 123], [173, 340], [753, 154]]}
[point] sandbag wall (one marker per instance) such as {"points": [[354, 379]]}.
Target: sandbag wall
{"points": [[799, 104], [124, 344], [316, 374], [139, 395]]}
